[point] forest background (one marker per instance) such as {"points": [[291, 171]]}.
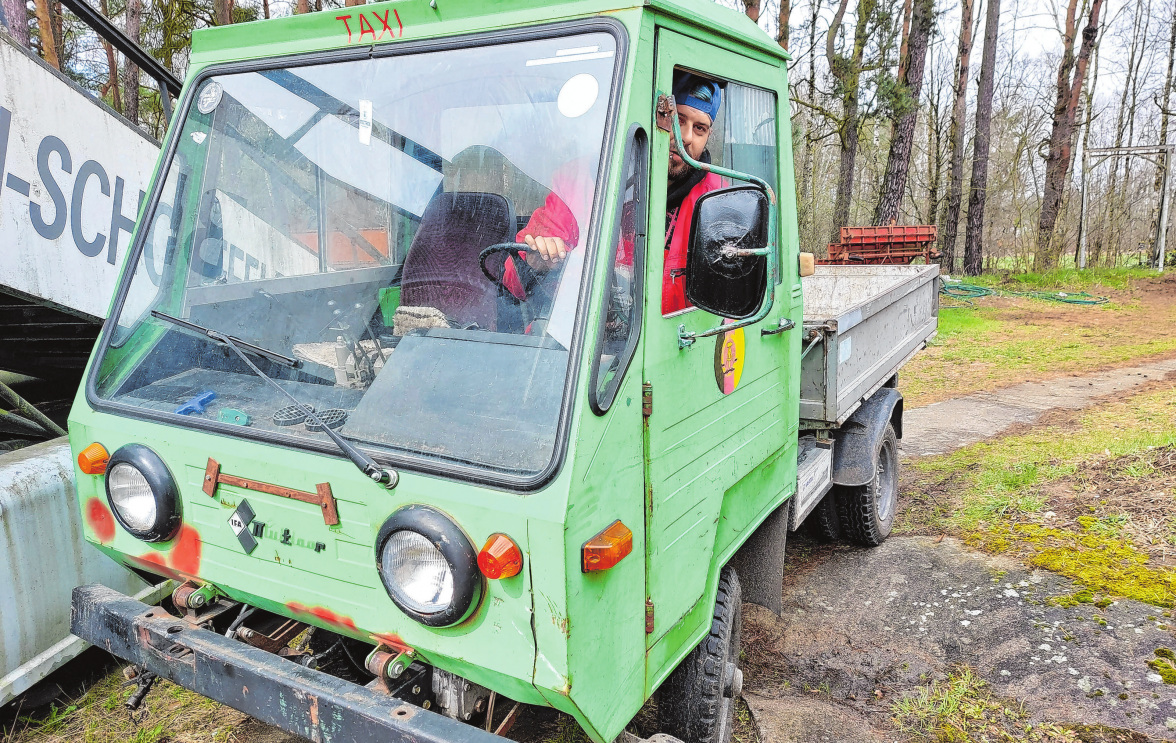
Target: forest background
{"points": [[971, 115]]}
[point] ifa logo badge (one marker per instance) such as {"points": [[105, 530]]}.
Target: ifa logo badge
{"points": [[729, 352], [240, 522]]}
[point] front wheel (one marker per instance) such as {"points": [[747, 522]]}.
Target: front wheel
{"points": [[867, 511], [697, 701]]}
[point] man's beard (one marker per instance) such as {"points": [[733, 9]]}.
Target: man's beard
{"points": [[678, 170]]}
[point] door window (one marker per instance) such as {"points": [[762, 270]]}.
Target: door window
{"points": [[742, 138], [621, 321]]}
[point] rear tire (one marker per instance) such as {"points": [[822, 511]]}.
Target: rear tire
{"points": [[826, 518], [697, 702], [868, 511]]}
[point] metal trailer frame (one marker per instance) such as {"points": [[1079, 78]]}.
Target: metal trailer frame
{"points": [[864, 342], [1164, 154]]}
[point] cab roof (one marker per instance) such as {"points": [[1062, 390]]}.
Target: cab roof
{"points": [[403, 20]]}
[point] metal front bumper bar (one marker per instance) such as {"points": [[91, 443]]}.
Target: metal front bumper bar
{"points": [[299, 700]]}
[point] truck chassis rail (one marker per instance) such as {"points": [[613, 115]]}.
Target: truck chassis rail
{"points": [[299, 700]]}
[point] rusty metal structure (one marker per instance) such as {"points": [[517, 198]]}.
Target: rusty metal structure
{"points": [[893, 245]]}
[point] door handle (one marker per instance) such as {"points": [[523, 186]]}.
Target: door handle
{"points": [[783, 324]]}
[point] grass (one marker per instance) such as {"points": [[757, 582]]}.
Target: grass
{"points": [[999, 342], [170, 713], [960, 709], [1067, 497]]}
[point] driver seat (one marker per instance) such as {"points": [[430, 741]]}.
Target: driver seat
{"points": [[441, 269]]}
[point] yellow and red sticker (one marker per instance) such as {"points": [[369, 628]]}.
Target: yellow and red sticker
{"points": [[729, 353]]}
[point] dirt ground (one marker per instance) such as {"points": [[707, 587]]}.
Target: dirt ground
{"points": [[1002, 341]]}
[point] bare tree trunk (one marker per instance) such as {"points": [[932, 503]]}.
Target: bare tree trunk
{"points": [[783, 20], [752, 8], [902, 136], [847, 70], [111, 86], [974, 237], [955, 137], [1164, 110], [131, 70], [1071, 74], [16, 19], [351, 3], [223, 10], [45, 29], [302, 7], [265, 9], [934, 159]]}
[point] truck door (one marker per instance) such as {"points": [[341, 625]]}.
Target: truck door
{"points": [[717, 407]]}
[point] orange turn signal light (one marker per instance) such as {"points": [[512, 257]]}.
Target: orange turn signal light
{"points": [[607, 548], [500, 558], [92, 459]]}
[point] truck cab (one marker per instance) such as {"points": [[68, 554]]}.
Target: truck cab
{"points": [[341, 391]]}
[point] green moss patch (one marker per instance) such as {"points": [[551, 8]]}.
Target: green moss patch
{"points": [[1101, 564]]}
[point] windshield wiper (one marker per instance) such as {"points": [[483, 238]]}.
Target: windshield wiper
{"points": [[222, 338], [365, 464]]}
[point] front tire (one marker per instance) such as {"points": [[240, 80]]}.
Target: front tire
{"points": [[697, 701], [868, 511]]}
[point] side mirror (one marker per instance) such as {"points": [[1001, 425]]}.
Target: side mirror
{"points": [[726, 268]]}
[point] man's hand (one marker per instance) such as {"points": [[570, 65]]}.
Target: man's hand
{"points": [[545, 252]]}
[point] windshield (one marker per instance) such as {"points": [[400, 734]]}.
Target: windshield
{"points": [[371, 220]]}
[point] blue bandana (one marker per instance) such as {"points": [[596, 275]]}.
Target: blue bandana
{"points": [[698, 92]]}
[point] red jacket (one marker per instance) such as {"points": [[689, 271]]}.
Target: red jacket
{"points": [[677, 241], [554, 219]]}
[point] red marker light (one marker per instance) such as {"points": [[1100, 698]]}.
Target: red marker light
{"points": [[500, 558], [607, 548], [92, 460]]}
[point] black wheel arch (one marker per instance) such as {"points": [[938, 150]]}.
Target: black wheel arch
{"points": [[856, 442]]}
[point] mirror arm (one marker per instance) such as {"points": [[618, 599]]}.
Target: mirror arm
{"points": [[667, 108]]}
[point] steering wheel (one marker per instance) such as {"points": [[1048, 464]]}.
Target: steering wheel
{"points": [[527, 275]]}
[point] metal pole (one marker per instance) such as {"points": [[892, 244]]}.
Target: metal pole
{"points": [[1082, 218], [30, 412], [1162, 224], [165, 102]]}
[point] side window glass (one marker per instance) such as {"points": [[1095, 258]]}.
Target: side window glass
{"points": [[742, 137], [620, 326]]}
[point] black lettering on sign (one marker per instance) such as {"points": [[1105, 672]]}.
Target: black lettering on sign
{"points": [[5, 124], [119, 222], [88, 248], [51, 230]]}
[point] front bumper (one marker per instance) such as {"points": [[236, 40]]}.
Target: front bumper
{"points": [[299, 700]]}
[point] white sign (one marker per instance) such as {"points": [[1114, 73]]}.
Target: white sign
{"points": [[72, 175]]}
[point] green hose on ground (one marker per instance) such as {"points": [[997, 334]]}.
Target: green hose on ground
{"points": [[967, 292]]}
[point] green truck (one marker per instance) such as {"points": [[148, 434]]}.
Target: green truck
{"points": [[398, 390]]}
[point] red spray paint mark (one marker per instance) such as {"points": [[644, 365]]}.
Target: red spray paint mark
{"points": [[185, 555], [368, 27], [100, 519], [323, 614], [392, 640], [346, 24], [365, 28], [384, 22]]}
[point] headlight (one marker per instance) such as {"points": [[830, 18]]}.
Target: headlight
{"points": [[428, 566], [142, 493]]}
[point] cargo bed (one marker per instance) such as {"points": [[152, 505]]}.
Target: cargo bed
{"points": [[861, 324]]}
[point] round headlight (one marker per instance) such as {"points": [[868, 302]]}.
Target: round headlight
{"points": [[417, 572], [429, 566], [131, 496], [142, 493]]}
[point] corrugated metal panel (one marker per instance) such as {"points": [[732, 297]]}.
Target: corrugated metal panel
{"points": [[43, 556]]}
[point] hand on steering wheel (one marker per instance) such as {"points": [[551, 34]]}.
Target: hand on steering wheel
{"points": [[493, 261], [546, 252]]}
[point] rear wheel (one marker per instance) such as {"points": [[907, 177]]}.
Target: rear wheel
{"points": [[826, 518], [867, 511], [697, 701]]}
